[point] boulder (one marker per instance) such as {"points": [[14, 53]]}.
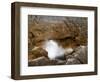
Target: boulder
{"points": [[72, 61], [58, 62], [81, 54], [69, 56], [61, 62], [40, 61], [68, 51], [37, 52]]}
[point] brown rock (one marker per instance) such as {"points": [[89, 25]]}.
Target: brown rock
{"points": [[40, 61], [71, 31], [37, 52], [68, 32]]}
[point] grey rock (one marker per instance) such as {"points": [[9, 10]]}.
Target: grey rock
{"points": [[40, 61], [78, 56], [81, 54], [68, 51], [58, 62], [60, 57], [71, 61], [69, 56]]}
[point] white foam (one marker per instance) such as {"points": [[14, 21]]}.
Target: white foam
{"points": [[54, 50]]}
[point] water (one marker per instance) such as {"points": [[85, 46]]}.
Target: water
{"points": [[54, 50]]}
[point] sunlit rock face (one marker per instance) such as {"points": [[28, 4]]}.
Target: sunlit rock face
{"points": [[67, 31]]}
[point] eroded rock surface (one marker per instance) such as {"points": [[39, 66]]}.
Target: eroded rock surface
{"points": [[81, 54], [37, 52], [69, 33], [40, 61], [73, 60]]}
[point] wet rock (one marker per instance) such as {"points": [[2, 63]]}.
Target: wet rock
{"points": [[38, 52], [68, 51], [58, 62], [61, 62], [69, 56], [81, 54], [71, 61], [60, 58], [78, 56], [40, 61]]}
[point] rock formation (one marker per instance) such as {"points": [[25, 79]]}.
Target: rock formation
{"points": [[68, 32]]}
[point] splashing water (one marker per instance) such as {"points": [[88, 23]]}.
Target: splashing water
{"points": [[54, 50]]}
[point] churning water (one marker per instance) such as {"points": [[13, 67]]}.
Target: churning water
{"points": [[54, 50]]}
